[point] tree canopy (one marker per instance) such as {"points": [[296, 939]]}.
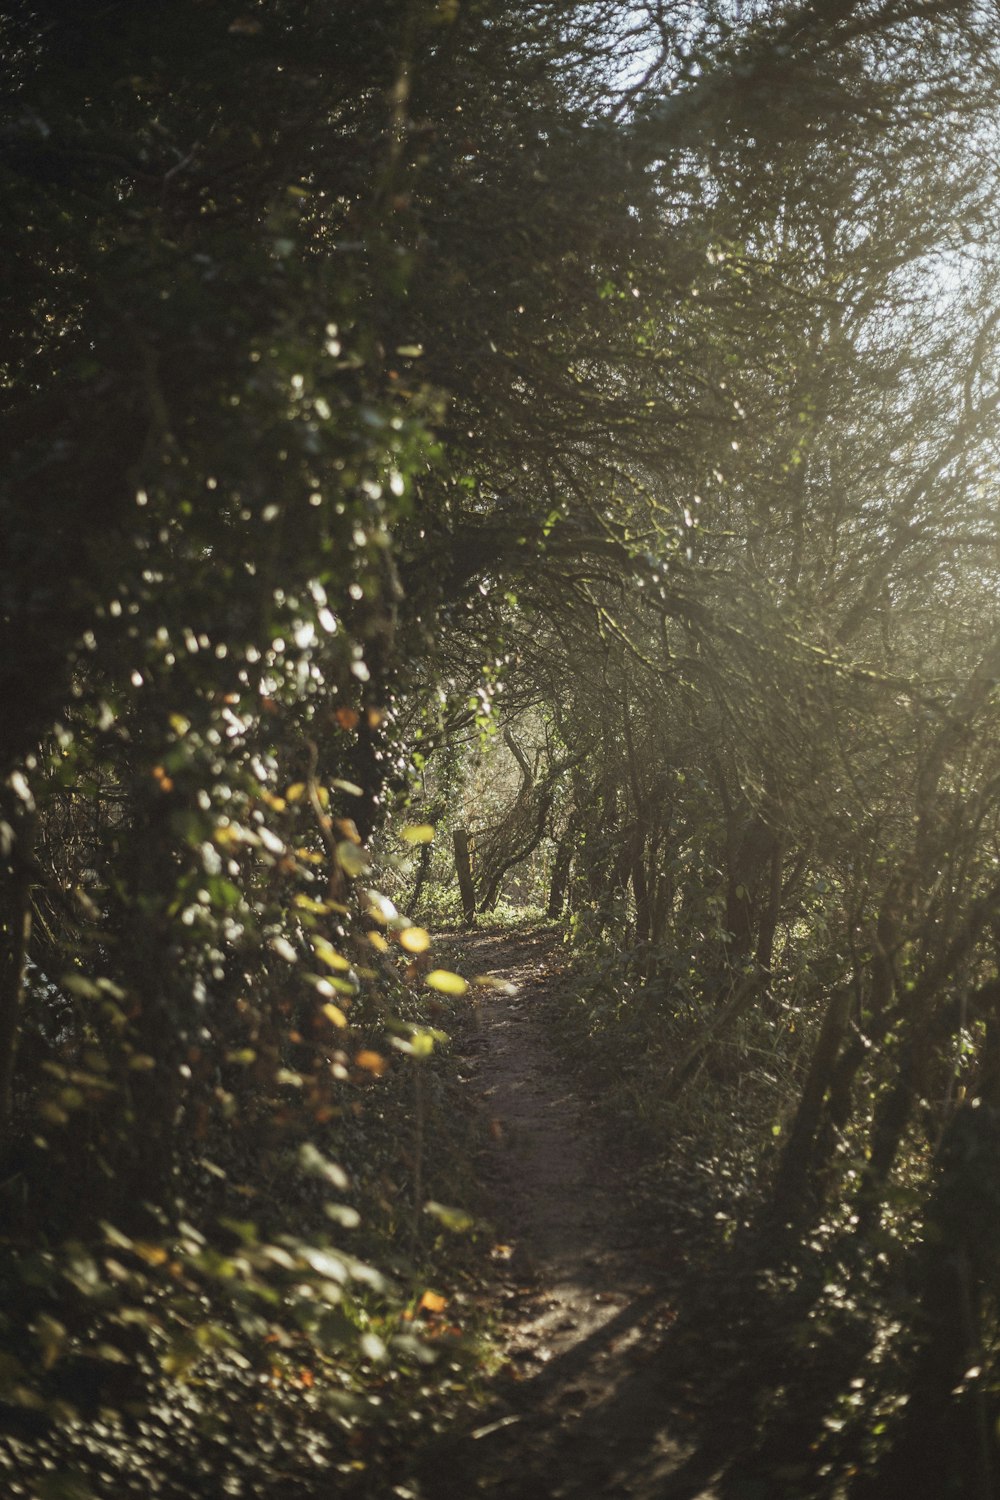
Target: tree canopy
{"points": [[605, 394]]}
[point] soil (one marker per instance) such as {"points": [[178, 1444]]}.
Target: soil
{"points": [[585, 1289]]}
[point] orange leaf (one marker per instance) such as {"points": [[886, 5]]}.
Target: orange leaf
{"points": [[433, 1302], [372, 1062], [347, 718], [153, 1255]]}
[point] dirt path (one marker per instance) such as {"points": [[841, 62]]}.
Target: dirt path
{"points": [[583, 1298]]}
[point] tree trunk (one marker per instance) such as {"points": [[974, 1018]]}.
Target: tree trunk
{"points": [[769, 921], [640, 890], [560, 874], [946, 1442], [791, 1187], [463, 869], [164, 1011], [434, 815], [752, 860], [420, 880]]}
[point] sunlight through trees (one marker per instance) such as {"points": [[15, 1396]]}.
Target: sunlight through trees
{"points": [[564, 435]]}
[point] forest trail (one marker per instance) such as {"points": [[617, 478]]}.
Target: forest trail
{"points": [[576, 1409]]}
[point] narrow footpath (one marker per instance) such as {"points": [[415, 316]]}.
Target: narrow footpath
{"points": [[584, 1302]]}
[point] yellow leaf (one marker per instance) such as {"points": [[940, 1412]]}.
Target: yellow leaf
{"points": [[447, 982], [335, 1014], [311, 857], [415, 939], [306, 903], [328, 955], [378, 942], [433, 1302], [295, 792], [228, 835], [417, 833]]}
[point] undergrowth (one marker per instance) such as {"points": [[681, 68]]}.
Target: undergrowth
{"points": [[250, 1346], [795, 1357]]}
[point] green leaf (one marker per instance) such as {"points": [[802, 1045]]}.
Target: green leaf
{"points": [[352, 860], [64, 1486], [77, 984], [342, 1214], [314, 1164], [455, 1219]]}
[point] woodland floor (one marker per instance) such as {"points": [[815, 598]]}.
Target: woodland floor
{"points": [[592, 1397]]}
